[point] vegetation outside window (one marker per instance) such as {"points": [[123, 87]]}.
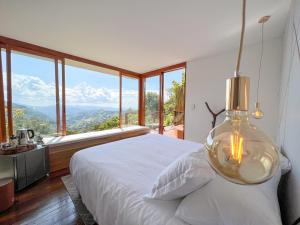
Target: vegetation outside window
{"points": [[174, 100]]}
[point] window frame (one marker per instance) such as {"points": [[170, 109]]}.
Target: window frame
{"points": [[2, 102], [9, 86]]}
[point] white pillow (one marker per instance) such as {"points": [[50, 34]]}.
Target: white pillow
{"points": [[221, 202], [183, 176]]}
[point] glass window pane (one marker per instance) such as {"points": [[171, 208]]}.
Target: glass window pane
{"points": [[60, 95], [174, 84], [92, 99], [130, 101], [152, 103], [33, 93]]}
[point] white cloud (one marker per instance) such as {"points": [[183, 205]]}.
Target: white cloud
{"points": [[31, 90], [84, 94]]}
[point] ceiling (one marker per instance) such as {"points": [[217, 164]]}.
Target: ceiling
{"points": [[139, 35]]}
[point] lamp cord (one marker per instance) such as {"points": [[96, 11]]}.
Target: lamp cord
{"points": [[237, 71], [260, 62]]}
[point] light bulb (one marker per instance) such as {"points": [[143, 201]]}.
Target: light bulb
{"points": [[258, 113], [236, 144], [238, 150]]}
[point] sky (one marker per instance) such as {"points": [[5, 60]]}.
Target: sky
{"points": [[33, 84]]}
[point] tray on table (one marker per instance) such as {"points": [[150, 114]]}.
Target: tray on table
{"points": [[17, 149]]}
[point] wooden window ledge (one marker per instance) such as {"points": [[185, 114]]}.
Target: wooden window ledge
{"points": [[105, 134], [62, 148]]}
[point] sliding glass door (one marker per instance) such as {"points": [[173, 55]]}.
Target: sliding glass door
{"points": [[165, 102], [173, 107]]}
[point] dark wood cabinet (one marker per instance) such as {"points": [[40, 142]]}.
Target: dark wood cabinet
{"points": [[26, 167], [7, 194]]}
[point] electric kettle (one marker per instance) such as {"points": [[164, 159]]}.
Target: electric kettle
{"points": [[25, 136]]}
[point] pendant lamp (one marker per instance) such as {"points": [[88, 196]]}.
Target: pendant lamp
{"points": [[236, 149], [258, 113]]}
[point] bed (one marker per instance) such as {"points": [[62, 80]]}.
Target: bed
{"points": [[118, 175]]}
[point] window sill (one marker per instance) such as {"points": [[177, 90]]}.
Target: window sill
{"points": [[76, 138]]}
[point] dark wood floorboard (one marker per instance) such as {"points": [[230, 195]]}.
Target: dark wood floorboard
{"points": [[44, 203]]}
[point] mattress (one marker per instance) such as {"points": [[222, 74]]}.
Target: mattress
{"points": [[113, 178]]}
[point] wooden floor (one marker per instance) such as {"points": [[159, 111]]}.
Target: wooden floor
{"points": [[45, 203]]}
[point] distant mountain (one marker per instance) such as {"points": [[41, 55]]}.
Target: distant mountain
{"points": [[43, 119], [72, 111], [50, 111], [84, 121]]}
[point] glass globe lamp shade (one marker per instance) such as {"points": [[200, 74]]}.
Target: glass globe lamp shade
{"points": [[236, 149]]}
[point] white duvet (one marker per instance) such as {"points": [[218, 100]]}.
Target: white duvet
{"points": [[113, 178]]}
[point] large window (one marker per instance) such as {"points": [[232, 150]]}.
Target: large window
{"points": [[92, 98], [53, 97], [33, 93], [152, 87], [130, 100]]}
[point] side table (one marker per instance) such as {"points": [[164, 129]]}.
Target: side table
{"points": [[25, 167]]}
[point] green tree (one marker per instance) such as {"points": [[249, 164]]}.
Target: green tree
{"points": [[25, 118], [110, 123], [151, 101], [69, 132], [151, 108], [174, 107]]}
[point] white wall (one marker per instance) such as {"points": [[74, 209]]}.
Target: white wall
{"points": [[289, 132], [206, 82]]}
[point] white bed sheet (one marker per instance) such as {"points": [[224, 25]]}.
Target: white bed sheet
{"points": [[113, 178]]}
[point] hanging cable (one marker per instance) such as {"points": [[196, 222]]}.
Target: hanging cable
{"points": [[258, 113], [237, 70], [260, 61]]}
